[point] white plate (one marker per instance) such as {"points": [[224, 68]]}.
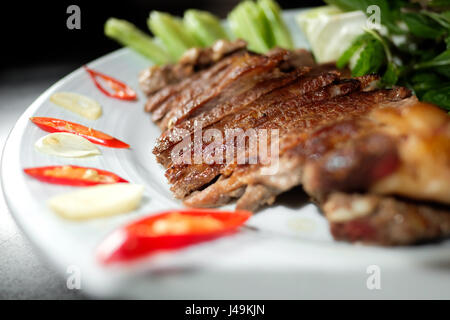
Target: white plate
{"points": [[291, 256]]}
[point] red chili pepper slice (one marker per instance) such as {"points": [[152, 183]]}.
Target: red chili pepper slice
{"points": [[120, 89], [73, 175], [98, 137], [168, 230]]}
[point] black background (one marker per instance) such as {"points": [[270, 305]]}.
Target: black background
{"points": [[35, 32]]}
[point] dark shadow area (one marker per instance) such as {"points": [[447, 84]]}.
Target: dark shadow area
{"points": [[294, 198], [35, 32]]}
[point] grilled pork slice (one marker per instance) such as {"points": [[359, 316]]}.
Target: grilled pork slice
{"points": [[155, 78], [383, 220], [301, 128], [350, 153], [280, 109], [232, 106], [354, 149], [200, 76], [241, 75], [159, 102]]}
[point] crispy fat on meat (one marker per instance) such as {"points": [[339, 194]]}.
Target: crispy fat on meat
{"points": [[400, 149]]}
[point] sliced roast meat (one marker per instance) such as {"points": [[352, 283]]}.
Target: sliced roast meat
{"points": [[298, 143], [385, 220], [268, 112], [245, 110], [155, 77], [238, 77], [375, 160], [210, 114], [164, 100], [297, 58]]}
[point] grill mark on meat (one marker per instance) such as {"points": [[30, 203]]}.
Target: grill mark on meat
{"points": [[209, 94], [242, 93], [294, 59], [184, 183], [267, 108], [263, 109], [186, 179], [158, 98], [293, 144], [266, 84], [297, 116], [189, 90], [240, 109]]}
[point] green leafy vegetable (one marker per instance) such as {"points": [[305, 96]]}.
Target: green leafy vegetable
{"points": [[446, 15], [370, 60], [425, 81], [440, 64], [439, 3], [422, 26], [416, 47], [350, 52], [442, 19], [391, 75], [374, 53], [439, 96]]}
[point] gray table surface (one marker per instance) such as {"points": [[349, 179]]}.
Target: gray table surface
{"points": [[23, 273]]}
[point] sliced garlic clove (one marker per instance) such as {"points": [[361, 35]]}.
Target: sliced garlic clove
{"points": [[82, 105], [64, 144], [98, 201]]}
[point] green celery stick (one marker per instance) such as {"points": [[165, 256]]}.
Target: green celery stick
{"points": [[129, 35], [172, 33], [281, 34], [204, 26], [247, 21]]}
